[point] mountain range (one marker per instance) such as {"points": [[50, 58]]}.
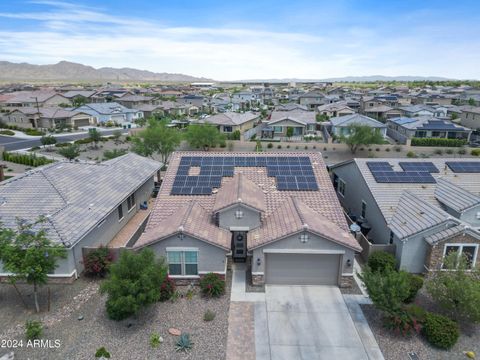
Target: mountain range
{"points": [[70, 71]]}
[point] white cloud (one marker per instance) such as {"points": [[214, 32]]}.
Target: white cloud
{"points": [[94, 37]]}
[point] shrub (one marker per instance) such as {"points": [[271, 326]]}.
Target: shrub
{"points": [[33, 132], [269, 145], [26, 159], [387, 149], [7, 132], [167, 289], [209, 315], [438, 151], [212, 285], [449, 151], [155, 340], [397, 148], [438, 142], [475, 152], [411, 154], [96, 262], [440, 331], [33, 329], [83, 141], [59, 145], [461, 151], [279, 146], [377, 149], [381, 261], [306, 147], [112, 154], [416, 312], [402, 323], [184, 343], [416, 283], [102, 353]]}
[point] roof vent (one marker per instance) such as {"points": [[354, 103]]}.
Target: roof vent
{"points": [[181, 228], [239, 199], [305, 226]]}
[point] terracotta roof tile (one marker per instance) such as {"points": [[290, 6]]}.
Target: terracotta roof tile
{"points": [[240, 190]]}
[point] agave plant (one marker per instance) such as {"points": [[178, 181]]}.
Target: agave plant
{"points": [[184, 343]]}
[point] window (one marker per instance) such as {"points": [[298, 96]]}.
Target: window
{"points": [[131, 202], [469, 251], [478, 215], [182, 262], [227, 129], [364, 209], [341, 187], [391, 237], [277, 129], [120, 212], [239, 214], [304, 238]]}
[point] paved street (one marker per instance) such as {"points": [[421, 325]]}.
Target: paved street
{"points": [[11, 143]]}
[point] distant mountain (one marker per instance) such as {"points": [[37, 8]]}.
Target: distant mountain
{"points": [[70, 71], [370, 78]]}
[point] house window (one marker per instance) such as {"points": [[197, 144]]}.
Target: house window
{"points": [[131, 202], [277, 129], [391, 237], [227, 129], [364, 209], [478, 215], [182, 262], [341, 187], [304, 238], [239, 214], [120, 212], [468, 251]]}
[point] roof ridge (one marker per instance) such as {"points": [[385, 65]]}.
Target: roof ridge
{"points": [[297, 209], [187, 213], [54, 186]]}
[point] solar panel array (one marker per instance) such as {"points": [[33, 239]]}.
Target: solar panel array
{"points": [[291, 173], [464, 166], [420, 173]]}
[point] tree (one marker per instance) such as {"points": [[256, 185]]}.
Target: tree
{"points": [[289, 132], [29, 255], [321, 117], [457, 290], [359, 135], [134, 282], [48, 140], [471, 102], [204, 136], [94, 135], [79, 101], [156, 138], [70, 152]]}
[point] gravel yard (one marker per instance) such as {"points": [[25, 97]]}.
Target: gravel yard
{"points": [[128, 339], [395, 347]]}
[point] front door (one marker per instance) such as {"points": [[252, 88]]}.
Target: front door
{"points": [[239, 248]]}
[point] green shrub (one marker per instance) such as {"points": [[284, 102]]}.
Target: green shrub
{"points": [[209, 315], [449, 151], [7, 132], [155, 340], [83, 141], [438, 151], [60, 145], [102, 353], [381, 261], [33, 329], [416, 283], [33, 132], [167, 289], [279, 146], [416, 312], [270, 145], [387, 149], [475, 152], [212, 285], [397, 148], [461, 151], [440, 331], [26, 159], [112, 154], [96, 262], [438, 142], [184, 343], [411, 154]]}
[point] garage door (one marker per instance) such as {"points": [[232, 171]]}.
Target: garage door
{"points": [[82, 122], [302, 269]]}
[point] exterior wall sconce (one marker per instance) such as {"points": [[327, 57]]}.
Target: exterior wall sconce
{"points": [[259, 261], [349, 263]]}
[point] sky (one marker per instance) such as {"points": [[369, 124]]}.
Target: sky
{"points": [[233, 40]]}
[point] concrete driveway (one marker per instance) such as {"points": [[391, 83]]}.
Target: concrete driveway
{"points": [[308, 322]]}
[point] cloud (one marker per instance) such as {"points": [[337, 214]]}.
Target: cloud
{"points": [[67, 31]]}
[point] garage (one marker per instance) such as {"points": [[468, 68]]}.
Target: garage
{"points": [[302, 269], [82, 122]]}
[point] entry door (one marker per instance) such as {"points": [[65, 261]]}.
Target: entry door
{"points": [[240, 245]]}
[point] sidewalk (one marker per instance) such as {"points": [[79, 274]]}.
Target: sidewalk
{"points": [[239, 278]]}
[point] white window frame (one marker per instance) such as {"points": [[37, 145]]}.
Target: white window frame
{"points": [[363, 209], [120, 209], [341, 188], [239, 214], [182, 263], [460, 251]]}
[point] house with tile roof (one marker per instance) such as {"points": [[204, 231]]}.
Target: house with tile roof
{"points": [[426, 208], [302, 123], [340, 125], [111, 112], [47, 117], [276, 211], [84, 204], [229, 122]]}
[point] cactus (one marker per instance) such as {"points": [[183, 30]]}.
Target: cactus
{"points": [[184, 343]]}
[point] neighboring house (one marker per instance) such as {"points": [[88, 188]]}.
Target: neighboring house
{"points": [[340, 124], [470, 116], [47, 118], [302, 122], [134, 101], [335, 109], [85, 205], [244, 100], [78, 94], [173, 108], [426, 213], [416, 110], [229, 122], [252, 211], [39, 98], [151, 110], [311, 100], [111, 112], [382, 112], [290, 107], [402, 129]]}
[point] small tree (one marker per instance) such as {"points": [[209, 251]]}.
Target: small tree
{"points": [[457, 290], [204, 136], [70, 152], [289, 132], [48, 140], [156, 138], [95, 136], [133, 283], [29, 255], [361, 135], [471, 102]]}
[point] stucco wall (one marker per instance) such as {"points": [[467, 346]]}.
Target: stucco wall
{"points": [[210, 258], [250, 219], [293, 243]]}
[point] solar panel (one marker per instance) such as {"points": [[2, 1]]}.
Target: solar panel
{"points": [[464, 166], [379, 166], [425, 166]]}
